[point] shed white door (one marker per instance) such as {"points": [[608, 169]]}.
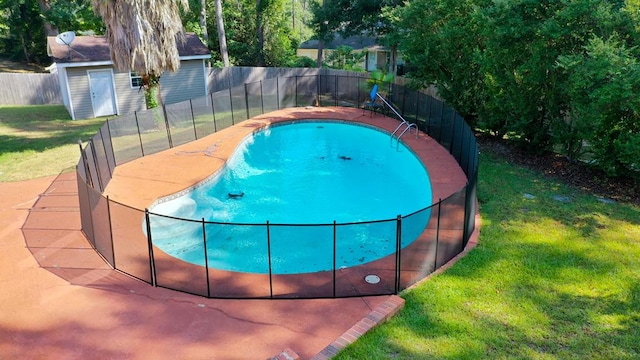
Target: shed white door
{"points": [[102, 94]]}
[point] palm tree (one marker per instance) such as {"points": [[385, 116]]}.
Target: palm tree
{"points": [[143, 35]]}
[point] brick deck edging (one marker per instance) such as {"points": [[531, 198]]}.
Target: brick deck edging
{"points": [[376, 317]]}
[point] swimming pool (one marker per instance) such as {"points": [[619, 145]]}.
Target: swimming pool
{"points": [[293, 175]]}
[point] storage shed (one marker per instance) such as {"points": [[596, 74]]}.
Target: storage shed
{"points": [[90, 86]]}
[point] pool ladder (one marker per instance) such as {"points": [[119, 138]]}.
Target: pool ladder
{"points": [[398, 132], [407, 127]]}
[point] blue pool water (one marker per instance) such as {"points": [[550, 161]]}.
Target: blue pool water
{"points": [[307, 172]]}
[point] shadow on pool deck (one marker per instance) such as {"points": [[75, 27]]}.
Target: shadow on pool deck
{"points": [[88, 310]]}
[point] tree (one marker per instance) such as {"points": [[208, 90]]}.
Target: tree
{"points": [[66, 15], [276, 46], [279, 46], [325, 22], [604, 83], [222, 37], [442, 41], [203, 21], [545, 72], [49, 28], [22, 31], [143, 36], [261, 5], [343, 57]]}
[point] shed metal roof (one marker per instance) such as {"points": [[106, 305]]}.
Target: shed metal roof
{"points": [[95, 49]]}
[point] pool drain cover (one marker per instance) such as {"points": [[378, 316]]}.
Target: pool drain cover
{"points": [[372, 279]]}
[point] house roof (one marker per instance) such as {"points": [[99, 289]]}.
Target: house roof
{"points": [[95, 49], [355, 42]]}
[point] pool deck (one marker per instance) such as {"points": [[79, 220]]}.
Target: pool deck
{"points": [[60, 299]]}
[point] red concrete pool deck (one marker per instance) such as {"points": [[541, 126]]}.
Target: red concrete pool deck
{"points": [[60, 300]]}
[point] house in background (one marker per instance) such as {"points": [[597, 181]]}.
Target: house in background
{"points": [[377, 56], [90, 86]]}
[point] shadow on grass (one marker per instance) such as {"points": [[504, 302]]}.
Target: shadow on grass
{"points": [[43, 127]]}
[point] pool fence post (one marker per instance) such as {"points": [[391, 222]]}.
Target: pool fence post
{"points": [[113, 151], [404, 99], [441, 122], [358, 80], [113, 251], [318, 89], [334, 258], [135, 115], [453, 133], [469, 151], [83, 158], [213, 114], [246, 100], [278, 91], [166, 124], [428, 113], [269, 259], [261, 97], [85, 162], [461, 139], [233, 122], [398, 249], [193, 120], [435, 258], [296, 97], [104, 148], [152, 267], [206, 257], [335, 90], [95, 162], [417, 105]]}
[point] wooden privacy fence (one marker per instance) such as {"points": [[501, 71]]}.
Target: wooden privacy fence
{"points": [[29, 89], [222, 79], [41, 89]]}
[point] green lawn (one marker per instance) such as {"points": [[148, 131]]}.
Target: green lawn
{"points": [[38, 141], [551, 278]]}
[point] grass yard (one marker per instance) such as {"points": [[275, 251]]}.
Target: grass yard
{"points": [[38, 141], [556, 275]]}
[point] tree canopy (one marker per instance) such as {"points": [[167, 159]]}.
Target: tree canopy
{"points": [[547, 74]]}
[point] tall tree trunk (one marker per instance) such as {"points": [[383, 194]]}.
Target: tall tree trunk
{"points": [[260, 33], [203, 21], [49, 29], [25, 51], [222, 37], [393, 60], [293, 16], [323, 30], [25, 37], [320, 53]]}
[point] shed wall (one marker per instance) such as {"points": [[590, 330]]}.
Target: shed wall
{"points": [[187, 83], [128, 99], [80, 93]]}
